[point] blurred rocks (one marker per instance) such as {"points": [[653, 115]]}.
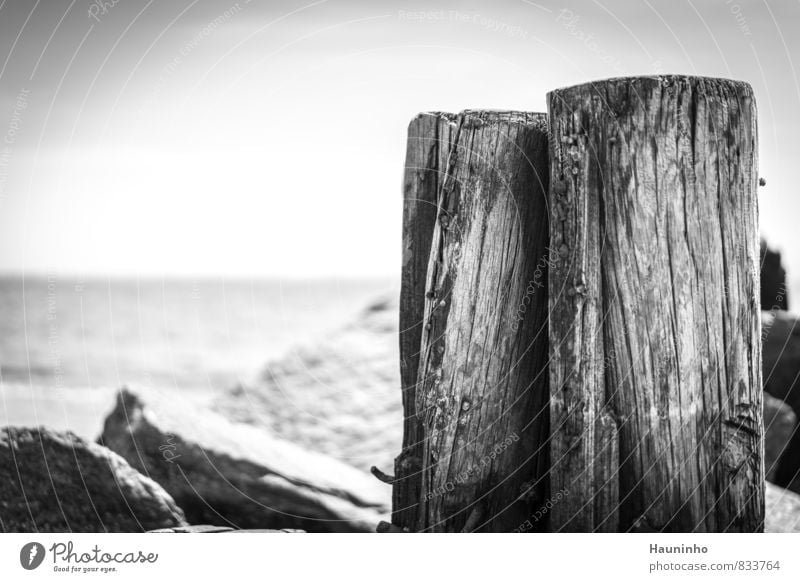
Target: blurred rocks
{"points": [[235, 475], [780, 334], [774, 296], [56, 482], [339, 395], [220, 529], [782, 510], [779, 426]]}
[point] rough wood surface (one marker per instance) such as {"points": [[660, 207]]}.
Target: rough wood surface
{"points": [[481, 390], [428, 146], [655, 307]]}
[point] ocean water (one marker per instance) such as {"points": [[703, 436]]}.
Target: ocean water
{"points": [[66, 342], [67, 332]]}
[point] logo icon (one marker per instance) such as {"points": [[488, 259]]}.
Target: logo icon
{"points": [[31, 555]]}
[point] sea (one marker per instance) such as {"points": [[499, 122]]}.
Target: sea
{"points": [[67, 343]]}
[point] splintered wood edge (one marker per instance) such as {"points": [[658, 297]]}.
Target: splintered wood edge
{"points": [[665, 80], [536, 119]]}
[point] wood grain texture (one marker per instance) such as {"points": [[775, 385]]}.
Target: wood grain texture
{"points": [[654, 330], [428, 147], [482, 384]]}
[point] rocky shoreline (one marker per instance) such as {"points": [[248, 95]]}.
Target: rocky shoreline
{"points": [[291, 451]]}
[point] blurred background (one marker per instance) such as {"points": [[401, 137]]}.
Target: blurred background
{"points": [[190, 190]]}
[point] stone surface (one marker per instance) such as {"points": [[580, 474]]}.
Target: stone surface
{"points": [[779, 426], [235, 475], [220, 529], [339, 395], [780, 333], [57, 482], [783, 510], [774, 295]]}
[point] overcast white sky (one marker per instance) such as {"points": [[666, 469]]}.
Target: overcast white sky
{"points": [[267, 139]]}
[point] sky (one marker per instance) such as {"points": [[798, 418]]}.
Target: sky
{"points": [[267, 139]]}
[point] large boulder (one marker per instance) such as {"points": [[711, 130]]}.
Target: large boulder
{"points": [[774, 295], [782, 510], [780, 337], [340, 395], [780, 422], [230, 474], [56, 482]]}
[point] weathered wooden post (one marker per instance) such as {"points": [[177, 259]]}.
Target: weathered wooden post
{"points": [[474, 377], [655, 371], [428, 147]]}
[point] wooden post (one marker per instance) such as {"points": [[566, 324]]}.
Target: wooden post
{"points": [[428, 147], [477, 426], [655, 372]]}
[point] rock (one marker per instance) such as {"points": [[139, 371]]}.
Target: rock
{"points": [[220, 529], [56, 482], [779, 425], [780, 334], [236, 475], [340, 396], [782, 510], [194, 529], [774, 296]]}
